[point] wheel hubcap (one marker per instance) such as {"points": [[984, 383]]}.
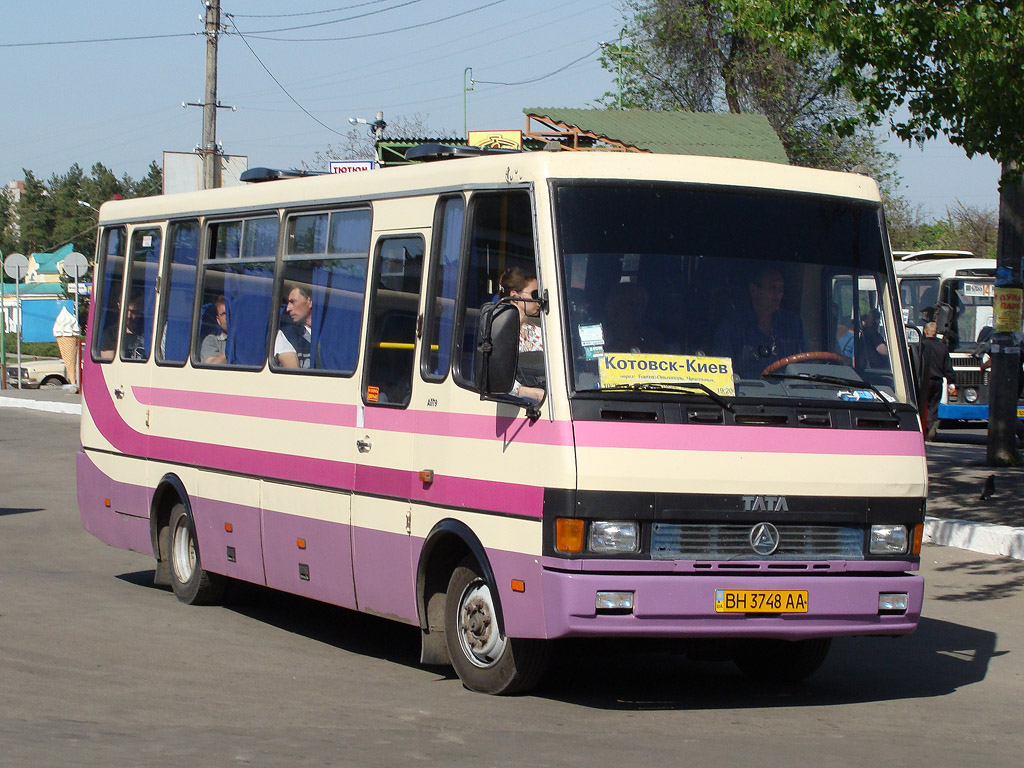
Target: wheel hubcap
{"points": [[479, 637], [183, 552]]}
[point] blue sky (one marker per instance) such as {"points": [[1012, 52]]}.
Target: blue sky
{"points": [[119, 102]]}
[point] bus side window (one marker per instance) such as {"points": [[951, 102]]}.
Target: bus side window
{"points": [[444, 277], [500, 237], [182, 258], [240, 267], [321, 293], [139, 312], [391, 337], [108, 310]]}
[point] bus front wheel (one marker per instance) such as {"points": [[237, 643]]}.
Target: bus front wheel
{"points": [[781, 661], [484, 658], [191, 584]]}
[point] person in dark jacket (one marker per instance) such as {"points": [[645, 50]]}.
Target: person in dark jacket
{"points": [[936, 365]]}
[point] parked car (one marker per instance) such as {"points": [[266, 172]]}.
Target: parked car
{"points": [[48, 373]]}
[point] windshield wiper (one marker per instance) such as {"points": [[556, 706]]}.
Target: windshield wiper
{"points": [[839, 381], [676, 387]]}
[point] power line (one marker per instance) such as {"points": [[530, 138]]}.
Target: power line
{"points": [[375, 34], [279, 85], [99, 40], [305, 13], [333, 21], [542, 77]]}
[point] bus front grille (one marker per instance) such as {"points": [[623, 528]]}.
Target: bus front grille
{"points": [[731, 541]]}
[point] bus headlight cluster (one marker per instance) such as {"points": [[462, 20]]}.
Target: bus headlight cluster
{"points": [[608, 536], [889, 540], [971, 395]]}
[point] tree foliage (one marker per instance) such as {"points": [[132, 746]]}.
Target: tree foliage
{"points": [[955, 65], [50, 215], [963, 228], [691, 55]]}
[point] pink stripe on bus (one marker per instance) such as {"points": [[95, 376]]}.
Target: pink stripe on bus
{"points": [[439, 423], [742, 439], [447, 490], [304, 411]]}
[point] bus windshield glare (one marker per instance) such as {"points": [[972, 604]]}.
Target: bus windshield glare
{"points": [[750, 294]]}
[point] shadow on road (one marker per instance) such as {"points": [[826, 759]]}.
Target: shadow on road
{"points": [[1005, 578], [4, 511], [939, 658], [338, 627]]}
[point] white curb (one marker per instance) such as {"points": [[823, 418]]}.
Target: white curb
{"points": [[987, 538], [41, 405]]}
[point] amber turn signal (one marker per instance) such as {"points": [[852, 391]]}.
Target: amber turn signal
{"points": [[569, 535], [915, 548]]}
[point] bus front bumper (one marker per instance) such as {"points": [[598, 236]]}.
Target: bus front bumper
{"points": [[684, 605]]}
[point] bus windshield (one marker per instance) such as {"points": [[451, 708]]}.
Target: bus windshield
{"points": [[751, 294]]}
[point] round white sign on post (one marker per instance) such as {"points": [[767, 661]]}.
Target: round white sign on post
{"points": [[16, 265], [75, 265]]}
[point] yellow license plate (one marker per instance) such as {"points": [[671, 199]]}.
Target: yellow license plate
{"points": [[1020, 412], [760, 601]]}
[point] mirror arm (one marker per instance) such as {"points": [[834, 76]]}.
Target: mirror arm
{"points": [[532, 406]]}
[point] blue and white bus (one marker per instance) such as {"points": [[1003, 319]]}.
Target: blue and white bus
{"points": [[965, 283]]}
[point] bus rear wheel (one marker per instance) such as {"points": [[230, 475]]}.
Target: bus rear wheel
{"points": [[484, 658], [781, 661], [191, 584]]}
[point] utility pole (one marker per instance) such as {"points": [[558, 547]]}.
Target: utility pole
{"points": [[1006, 362], [209, 150]]}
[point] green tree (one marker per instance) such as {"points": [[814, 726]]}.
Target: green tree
{"points": [[690, 54], [929, 67], [8, 224]]}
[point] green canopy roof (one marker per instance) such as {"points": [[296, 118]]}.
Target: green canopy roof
{"points": [[48, 261], [715, 134]]}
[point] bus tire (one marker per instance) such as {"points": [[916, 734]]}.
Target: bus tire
{"points": [[781, 661], [485, 659], [191, 584]]}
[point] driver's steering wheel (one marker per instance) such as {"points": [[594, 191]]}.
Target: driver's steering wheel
{"points": [[802, 357]]}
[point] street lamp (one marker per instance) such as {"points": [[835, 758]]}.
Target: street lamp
{"points": [[376, 127], [87, 205]]}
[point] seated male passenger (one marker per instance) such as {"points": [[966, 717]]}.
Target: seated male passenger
{"points": [[133, 343], [214, 347], [761, 331], [291, 347]]}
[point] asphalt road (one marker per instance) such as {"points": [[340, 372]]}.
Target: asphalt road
{"points": [[98, 667]]}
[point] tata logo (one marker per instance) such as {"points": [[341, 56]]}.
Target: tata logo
{"points": [[764, 539], [765, 504]]}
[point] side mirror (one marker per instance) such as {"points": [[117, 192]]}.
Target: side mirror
{"points": [[914, 335], [497, 357], [497, 349], [943, 318]]}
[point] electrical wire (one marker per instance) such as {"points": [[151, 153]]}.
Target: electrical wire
{"points": [[327, 23], [542, 77], [375, 34], [280, 85], [304, 13], [101, 40]]}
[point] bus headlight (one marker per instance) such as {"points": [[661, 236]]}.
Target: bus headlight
{"points": [[888, 540], [614, 536], [971, 395]]}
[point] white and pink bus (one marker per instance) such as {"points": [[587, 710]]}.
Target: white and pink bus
{"points": [[316, 384]]}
